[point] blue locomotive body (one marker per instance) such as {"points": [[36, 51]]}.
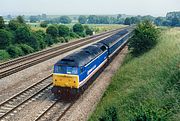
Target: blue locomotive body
{"points": [[74, 71]]}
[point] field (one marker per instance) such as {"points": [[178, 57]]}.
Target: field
{"points": [[146, 88], [98, 28]]}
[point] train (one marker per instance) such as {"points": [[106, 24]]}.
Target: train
{"points": [[72, 73]]}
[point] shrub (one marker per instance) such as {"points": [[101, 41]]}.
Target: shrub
{"points": [[78, 28], [88, 31], [13, 24], [4, 55], [61, 39], [65, 19], [144, 38], [26, 48], [48, 40], [14, 51], [33, 42], [43, 24], [52, 30], [63, 31], [73, 35], [2, 25], [5, 38], [22, 34], [67, 39]]}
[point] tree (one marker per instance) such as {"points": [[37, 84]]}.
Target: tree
{"points": [[22, 34], [88, 31], [134, 20], [52, 30], [34, 19], [63, 31], [33, 42], [144, 38], [13, 24], [40, 38], [82, 19], [78, 28], [127, 21], [65, 20], [20, 19], [2, 25], [44, 24], [93, 19], [49, 40], [159, 21], [175, 21], [5, 38]]}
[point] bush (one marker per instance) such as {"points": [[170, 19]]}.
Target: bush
{"points": [[67, 39], [22, 34], [26, 48], [52, 30], [4, 55], [78, 28], [73, 35], [144, 38], [63, 31], [65, 19], [49, 40], [13, 24], [61, 39], [5, 38], [33, 42], [2, 25], [88, 31], [14, 51], [81, 34], [43, 24]]}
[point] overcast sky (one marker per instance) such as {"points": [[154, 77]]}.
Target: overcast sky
{"points": [[74, 7]]}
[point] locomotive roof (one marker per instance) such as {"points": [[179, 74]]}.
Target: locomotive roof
{"points": [[81, 57], [108, 41]]}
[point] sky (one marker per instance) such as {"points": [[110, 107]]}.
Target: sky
{"points": [[88, 7]]}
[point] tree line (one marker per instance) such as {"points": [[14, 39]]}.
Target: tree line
{"points": [[17, 38]]}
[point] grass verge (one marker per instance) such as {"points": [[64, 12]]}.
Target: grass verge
{"points": [[145, 88]]}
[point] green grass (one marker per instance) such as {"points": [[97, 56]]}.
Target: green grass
{"points": [[146, 88]]}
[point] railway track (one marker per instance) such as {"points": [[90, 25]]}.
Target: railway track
{"points": [[50, 114], [19, 64], [16, 102]]}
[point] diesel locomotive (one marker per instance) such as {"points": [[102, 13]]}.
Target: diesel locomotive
{"points": [[72, 72]]}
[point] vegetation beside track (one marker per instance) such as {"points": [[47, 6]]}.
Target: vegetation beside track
{"points": [[18, 38], [146, 88]]}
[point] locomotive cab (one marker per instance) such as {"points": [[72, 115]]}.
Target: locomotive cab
{"points": [[73, 71]]}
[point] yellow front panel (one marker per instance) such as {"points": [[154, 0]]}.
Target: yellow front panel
{"points": [[64, 80]]}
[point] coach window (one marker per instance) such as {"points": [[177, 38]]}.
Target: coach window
{"points": [[103, 48]]}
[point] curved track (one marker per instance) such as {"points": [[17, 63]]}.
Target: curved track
{"points": [[19, 64]]}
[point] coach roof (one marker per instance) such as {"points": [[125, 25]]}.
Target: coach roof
{"points": [[81, 57]]}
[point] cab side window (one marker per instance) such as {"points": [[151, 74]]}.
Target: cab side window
{"points": [[81, 70]]}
